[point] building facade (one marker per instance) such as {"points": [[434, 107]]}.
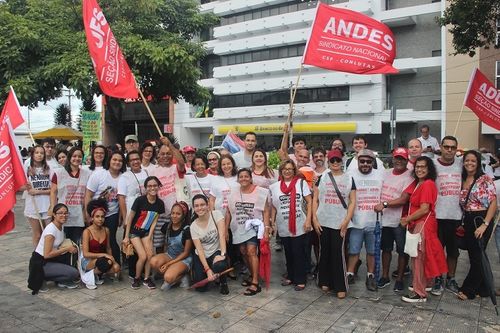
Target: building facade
{"points": [[255, 55]]}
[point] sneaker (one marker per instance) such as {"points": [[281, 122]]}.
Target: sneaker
{"points": [[165, 286], [350, 279], [149, 283], [398, 286], [413, 298], [437, 289], [91, 286], [371, 284], [405, 273], [43, 288], [184, 281], [136, 283], [68, 285], [278, 247], [98, 280], [383, 282], [452, 286], [410, 288], [224, 289]]}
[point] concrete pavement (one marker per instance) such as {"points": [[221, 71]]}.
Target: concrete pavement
{"points": [[115, 307]]}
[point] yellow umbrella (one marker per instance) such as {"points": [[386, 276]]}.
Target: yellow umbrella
{"points": [[60, 132]]}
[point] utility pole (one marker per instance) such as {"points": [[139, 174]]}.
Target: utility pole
{"points": [[393, 126], [290, 126], [69, 104]]}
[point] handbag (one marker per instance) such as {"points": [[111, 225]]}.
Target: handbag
{"points": [[460, 231], [128, 249], [413, 240]]}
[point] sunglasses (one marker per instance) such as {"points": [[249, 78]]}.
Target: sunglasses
{"points": [[335, 160], [365, 161]]}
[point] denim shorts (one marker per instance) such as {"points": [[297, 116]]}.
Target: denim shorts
{"points": [[391, 235], [251, 241], [357, 237], [85, 262]]}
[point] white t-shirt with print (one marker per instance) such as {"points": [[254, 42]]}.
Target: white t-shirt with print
{"points": [[368, 190], [242, 160], [100, 181], [198, 185], [392, 188], [330, 211], [209, 236], [220, 190], [131, 185], [448, 183]]}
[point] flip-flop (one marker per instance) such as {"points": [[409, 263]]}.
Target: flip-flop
{"points": [[246, 282], [285, 283], [251, 292], [461, 296], [299, 288]]}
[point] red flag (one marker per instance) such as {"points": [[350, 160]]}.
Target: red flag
{"points": [[12, 176], [347, 41], [12, 110], [113, 73], [483, 99]]}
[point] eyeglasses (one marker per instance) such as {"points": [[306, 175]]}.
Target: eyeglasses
{"points": [[62, 213], [288, 169], [365, 161], [335, 160], [450, 147], [152, 186], [212, 159]]}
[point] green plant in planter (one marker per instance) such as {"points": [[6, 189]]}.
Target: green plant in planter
{"points": [[273, 161]]}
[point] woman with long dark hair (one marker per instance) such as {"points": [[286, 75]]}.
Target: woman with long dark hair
{"points": [[148, 157], [98, 158], [262, 174], [479, 204], [68, 186], [175, 262], [430, 261]]}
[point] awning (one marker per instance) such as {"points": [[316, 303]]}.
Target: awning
{"points": [[60, 132], [277, 128]]}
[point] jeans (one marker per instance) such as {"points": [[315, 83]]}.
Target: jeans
{"points": [[497, 240], [199, 272]]}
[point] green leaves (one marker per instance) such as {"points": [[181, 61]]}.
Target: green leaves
{"points": [[43, 47]]}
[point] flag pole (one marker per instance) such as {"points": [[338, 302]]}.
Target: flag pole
{"points": [[292, 99], [149, 110], [458, 121]]}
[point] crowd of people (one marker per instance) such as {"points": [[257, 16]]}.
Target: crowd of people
{"points": [[157, 211]]}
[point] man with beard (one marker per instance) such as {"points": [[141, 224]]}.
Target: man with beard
{"points": [[243, 158], [319, 160]]}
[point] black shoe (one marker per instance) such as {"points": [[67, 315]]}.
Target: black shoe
{"points": [[371, 284], [383, 282], [224, 289], [350, 279]]}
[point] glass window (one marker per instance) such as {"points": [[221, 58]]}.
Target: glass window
{"points": [[292, 8], [265, 12], [292, 51], [231, 59], [256, 56], [283, 52], [257, 15], [436, 104], [248, 16], [265, 54], [247, 57], [283, 9], [274, 11], [300, 49]]}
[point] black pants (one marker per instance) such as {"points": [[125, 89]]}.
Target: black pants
{"points": [[74, 233], [332, 262], [111, 222], [296, 258], [199, 272], [474, 282]]}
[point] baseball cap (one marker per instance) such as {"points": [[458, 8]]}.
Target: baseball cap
{"points": [[188, 149], [334, 153], [367, 153], [401, 152], [131, 137]]}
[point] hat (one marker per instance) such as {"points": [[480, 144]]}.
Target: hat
{"points": [[188, 149], [334, 153], [131, 137], [401, 152], [367, 153]]}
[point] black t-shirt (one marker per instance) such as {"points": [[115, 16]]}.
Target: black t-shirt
{"points": [[146, 213]]}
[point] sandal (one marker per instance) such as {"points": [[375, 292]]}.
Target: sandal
{"points": [[286, 282], [251, 292], [461, 296], [246, 282], [300, 287], [325, 289], [341, 294]]}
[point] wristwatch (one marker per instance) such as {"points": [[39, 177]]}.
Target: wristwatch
{"points": [[486, 224], [385, 204]]}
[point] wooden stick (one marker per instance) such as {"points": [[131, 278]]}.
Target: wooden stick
{"points": [[150, 113], [290, 112], [458, 121]]}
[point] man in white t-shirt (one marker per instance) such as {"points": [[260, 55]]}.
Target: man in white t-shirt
{"points": [[361, 229], [243, 158], [429, 143], [393, 203], [359, 143], [448, 211]]}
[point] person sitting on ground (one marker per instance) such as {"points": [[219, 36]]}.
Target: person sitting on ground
{"points": [[141, 222], [96, 247], [175, 263]]}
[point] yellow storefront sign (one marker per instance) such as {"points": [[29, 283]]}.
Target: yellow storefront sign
{"points": [[306, 128]]}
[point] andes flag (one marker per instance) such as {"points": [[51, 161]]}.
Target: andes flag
{"points": [[113, 73], [348, 41], [483, 99]]}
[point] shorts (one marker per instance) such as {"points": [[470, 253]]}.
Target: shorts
{"points": [[251, 241], [357, 237], [138, 233], [447, 236], [43, 215], [85, 262], [186, 261], [391, 235]]}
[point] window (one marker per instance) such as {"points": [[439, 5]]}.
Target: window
{"points": [[436, 53], [436, 104], [497, 76], [498, 33], [262, 55]]}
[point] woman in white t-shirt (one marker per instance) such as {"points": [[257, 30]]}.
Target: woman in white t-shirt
{"points": [[208, 232], [248, 202], [262, 174], [98, 158], [292, 221], [330, 220], [104, 184], [68, 186], [222, 184], [49, 247], [37, 200], [200, 181], [148, 157]]}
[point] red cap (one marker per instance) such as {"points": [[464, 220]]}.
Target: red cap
{"points": [[188, 149], [334, 153], [402, 152]]}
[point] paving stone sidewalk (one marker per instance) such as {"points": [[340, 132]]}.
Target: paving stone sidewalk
{"points": [[115, 307]]}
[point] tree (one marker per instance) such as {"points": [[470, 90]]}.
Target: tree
{"points": [[62, 116], [472, 24], [43, 47]]}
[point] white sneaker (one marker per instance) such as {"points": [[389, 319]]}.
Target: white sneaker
{"points": [[68, 285], [184, 281], [44, 288], [413, 299], [98, 281], [165, 286], [91, 286]]}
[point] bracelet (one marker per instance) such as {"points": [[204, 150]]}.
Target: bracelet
{"points": [[486, 224], [207, 269], [268, 227]]}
